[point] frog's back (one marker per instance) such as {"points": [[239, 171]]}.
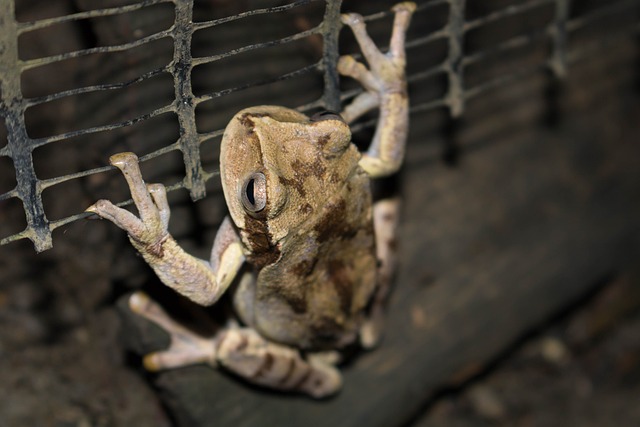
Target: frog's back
{"points": [[315, 295]]}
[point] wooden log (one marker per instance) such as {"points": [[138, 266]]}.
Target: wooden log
{"points": [[490, 249]]}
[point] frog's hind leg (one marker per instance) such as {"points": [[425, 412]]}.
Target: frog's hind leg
{"points": [[247, 354], [385, 222], [240, 350]]}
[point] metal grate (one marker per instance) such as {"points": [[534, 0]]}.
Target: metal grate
{"points": [[554, 23]]}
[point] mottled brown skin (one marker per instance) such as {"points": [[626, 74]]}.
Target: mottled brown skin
{"points": [[315, 267], [307, 256]]}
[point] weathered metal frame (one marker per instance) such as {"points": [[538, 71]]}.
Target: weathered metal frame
{"points": [[13, 105]]}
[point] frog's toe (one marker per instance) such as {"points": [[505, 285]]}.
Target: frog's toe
{"points": [[324, 381], [352, 19], [173, 358], [405, 6], [123, 160], [159, 196], [120, 217], [147, 206]]}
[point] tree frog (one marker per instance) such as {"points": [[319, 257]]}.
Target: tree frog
{"points": [[305, 253]]}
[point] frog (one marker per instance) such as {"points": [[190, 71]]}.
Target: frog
{"points": [[305, 253]]}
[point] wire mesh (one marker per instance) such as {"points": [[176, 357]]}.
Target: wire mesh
{"points": [[553, 23]]}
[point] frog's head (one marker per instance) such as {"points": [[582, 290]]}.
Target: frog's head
{"points": [[277, 165]]}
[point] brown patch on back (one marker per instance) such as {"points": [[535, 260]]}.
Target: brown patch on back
{"points": [[296, 183], [307, 169], [301, 172], [332, 224]]}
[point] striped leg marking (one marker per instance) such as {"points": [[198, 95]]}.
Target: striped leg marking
{"points": [[259, 361]]}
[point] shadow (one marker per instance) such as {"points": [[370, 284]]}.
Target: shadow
{"points": [[451, 149], [553, 96]]}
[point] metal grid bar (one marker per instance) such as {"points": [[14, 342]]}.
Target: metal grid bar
{"points": [[39, 62], [558, 32], [244, 49], [455, 66], [184, 106], [269, 10], [20, 146], [301, 71], [44, 23], [506, 12], [330, 32], [30, 102]]}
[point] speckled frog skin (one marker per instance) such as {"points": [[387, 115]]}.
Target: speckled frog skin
{"points": [[305, 252], [312, 243]]}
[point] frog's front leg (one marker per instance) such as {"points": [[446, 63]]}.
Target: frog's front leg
{"points": [[385, 86], [202, 282], [240, 350]]}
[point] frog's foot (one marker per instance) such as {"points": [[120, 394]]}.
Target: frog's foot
{"points": [[186, 347], [150, 229], [386, 71], [276, 366], [385, 87]]}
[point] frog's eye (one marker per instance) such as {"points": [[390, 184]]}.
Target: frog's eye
{"points": [[326, 115], [254, 192]]}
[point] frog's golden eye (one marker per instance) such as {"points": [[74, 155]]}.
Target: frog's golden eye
{"points": [[254, 192], [326, 115]]}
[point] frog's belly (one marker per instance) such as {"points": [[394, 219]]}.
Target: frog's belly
{"points": [[315, 329], [325, 309]]}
